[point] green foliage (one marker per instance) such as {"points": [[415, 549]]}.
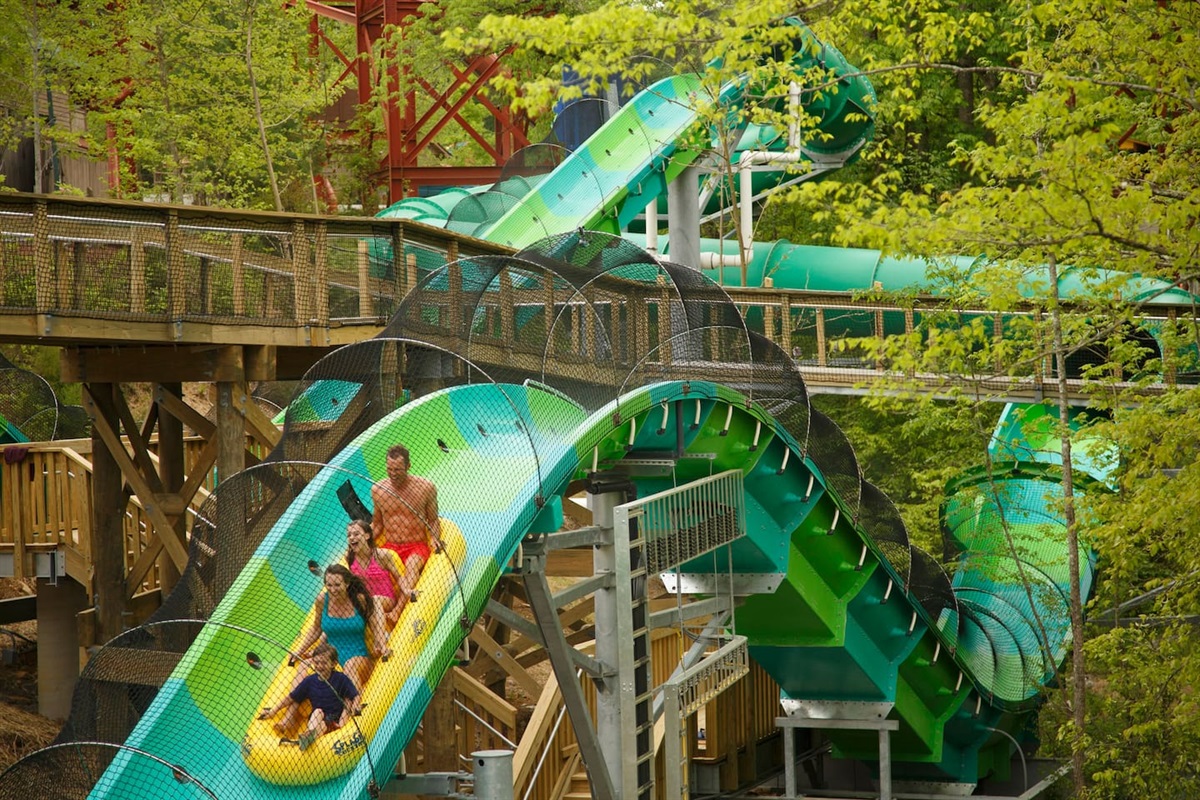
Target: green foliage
{"points": [[170, 90], [1144, 720]]}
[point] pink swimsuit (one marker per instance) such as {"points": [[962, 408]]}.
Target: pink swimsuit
{"points": [[377, 579]]}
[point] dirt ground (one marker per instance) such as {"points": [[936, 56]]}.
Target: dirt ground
{"points": [[22, 730]]}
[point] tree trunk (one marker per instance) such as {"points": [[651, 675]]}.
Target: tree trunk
{"points": [[1078, 673], [258, 113]]}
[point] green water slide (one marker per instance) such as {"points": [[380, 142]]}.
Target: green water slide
{"points": [[610, 179], [854, 616], [856, 619], [10, 433], [846, 615]]}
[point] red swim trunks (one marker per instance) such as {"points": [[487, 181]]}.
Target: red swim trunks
{"points": [[406, 549]]}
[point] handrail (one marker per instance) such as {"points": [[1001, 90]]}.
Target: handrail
{"points": [[48, 492]]}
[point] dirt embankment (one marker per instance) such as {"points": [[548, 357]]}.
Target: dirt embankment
{"points": [[22, 730]]}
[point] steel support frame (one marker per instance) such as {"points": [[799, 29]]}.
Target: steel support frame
{"points": [[884, 726], [409, 136], [616, 713], [545, 611]]}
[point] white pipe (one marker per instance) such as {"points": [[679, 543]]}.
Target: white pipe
{"points": [[652, 227], [756, 158]]}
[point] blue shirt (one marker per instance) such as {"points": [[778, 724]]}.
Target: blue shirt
{"points": [[328, 696]]}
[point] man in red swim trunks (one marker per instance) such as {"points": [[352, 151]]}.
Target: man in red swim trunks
{"points": [[406, 516]]}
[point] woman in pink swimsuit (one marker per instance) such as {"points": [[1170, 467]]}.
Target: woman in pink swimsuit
{"points": [[380, 569]]}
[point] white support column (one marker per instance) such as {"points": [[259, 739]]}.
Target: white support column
{"points": [[615, 718], [683, 218]]}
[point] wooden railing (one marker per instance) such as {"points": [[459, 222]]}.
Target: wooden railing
{"points": [[46, 494], [64, 260], [74, 269]]}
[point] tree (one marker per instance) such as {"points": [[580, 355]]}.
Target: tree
{"points": [[213, 102], [746, 56], [1089, 161]]}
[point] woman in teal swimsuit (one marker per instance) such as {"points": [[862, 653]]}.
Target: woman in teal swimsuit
{"points": [[348, 617]]}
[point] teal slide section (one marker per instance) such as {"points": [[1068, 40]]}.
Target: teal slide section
{"points": [[9, 433]]}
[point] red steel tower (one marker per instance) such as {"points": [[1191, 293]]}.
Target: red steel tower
{"points": [[409, 130]]}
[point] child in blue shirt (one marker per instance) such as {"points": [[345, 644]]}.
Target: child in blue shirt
{"points": [[333, 696]]}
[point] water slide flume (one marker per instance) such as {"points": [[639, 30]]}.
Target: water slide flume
{"points": [[337, 752]]}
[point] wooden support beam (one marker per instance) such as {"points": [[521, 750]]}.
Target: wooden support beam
{"points": [[171, 470], [108, 501], [260, 426], [163, 363], [493, 650], [189, 416], [104, 431]]}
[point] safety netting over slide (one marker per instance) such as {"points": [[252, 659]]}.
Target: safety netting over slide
{"points": [[30, 411], [508, 379]]}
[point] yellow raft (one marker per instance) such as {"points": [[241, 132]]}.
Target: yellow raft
{"points": [[336, 753]]}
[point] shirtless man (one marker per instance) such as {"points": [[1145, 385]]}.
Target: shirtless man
{"points": [[406, 516]]}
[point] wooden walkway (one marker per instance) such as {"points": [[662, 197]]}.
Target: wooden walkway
{"points": [[186, 284]]}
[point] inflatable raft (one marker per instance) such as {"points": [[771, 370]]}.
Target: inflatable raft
{"points": [[337, 752]]}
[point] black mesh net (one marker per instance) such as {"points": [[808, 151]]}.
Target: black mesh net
{"points": [[830, 450]]}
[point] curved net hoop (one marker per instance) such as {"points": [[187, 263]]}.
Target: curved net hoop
{"points": [[930, 586], [475, 213], [73, 422], [880, 520], [28, 402], [122, 678], [61, 772], [830, 450], [227, 529], [530, 164]]}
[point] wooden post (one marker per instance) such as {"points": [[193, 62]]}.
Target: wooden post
{"points": [[302, 278], [785, 324], [365, 306], [66, 276], [410, 271], [176, 274], [822, 357], [321, 274], [43, 258], [400, 276], [664, 323], [441, 745], [769, 313], [508, 331], [909, 323], [3, 270], [454, 298], [108, 512], [230, 434], [206, 288], [137, 269], [239, 285], [879, 335], [1169, 359], [171, 471]]}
